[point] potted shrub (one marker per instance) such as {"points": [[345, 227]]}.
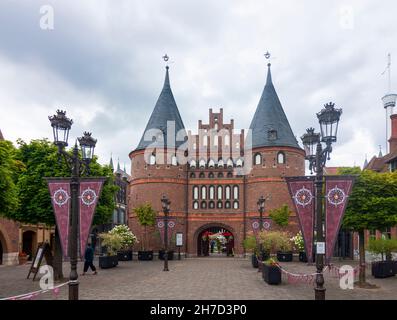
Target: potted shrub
{"points": [[280, 217], [384, 247], [112, 243], [250, 244], [147, 218], [271, 272], [300, 246], [128, 240]]}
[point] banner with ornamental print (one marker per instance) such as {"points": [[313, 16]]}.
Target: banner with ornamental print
{"points": [[301, 190], [337, 192], [255, 224], [59, 189], [160, 223], [90, 190]]}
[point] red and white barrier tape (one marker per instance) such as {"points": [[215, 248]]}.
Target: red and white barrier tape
{"points": [[32, 295]]}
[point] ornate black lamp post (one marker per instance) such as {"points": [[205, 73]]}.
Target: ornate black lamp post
{"points": [[261, 209], [61, 126], [317, 157], [165, 203]]}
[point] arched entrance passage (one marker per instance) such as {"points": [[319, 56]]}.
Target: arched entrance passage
{"points": [[215, 240], [28, 239]]}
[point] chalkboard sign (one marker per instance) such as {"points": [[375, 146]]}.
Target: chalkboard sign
{"points": [[43, 250]]}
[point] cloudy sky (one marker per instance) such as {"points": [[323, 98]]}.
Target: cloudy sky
{"points": [[102, 63]]}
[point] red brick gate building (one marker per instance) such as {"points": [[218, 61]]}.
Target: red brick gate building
{"points": [[214, 178]]}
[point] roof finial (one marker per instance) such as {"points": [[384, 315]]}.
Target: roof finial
{"points": [[166, 58], [380, 155], [118, 164], [267, 56]]}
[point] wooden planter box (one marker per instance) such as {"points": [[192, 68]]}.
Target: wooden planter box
{"points": [[303, 256], [284, 256], [384, 269], [271, 274], [125, 255], [145, 255], [106, 262], [170, 254]]}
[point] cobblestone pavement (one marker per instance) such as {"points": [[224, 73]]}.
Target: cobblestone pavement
{"points": [[193, 279]]}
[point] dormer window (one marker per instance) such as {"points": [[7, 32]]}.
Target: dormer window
{"points": [[281, 158], [272, 135]]}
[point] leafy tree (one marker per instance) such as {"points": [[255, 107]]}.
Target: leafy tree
{"points": [[372, 206], [147, 217], [280, 215], [40, 159], [8, 189]]}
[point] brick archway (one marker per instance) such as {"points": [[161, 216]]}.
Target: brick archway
{"points": [[201, 229]]}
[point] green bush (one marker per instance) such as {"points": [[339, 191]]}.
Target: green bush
{"points": [[128, 238], [250, 244], [113, 242], [273, 241], [280, 216], [384, 247]]}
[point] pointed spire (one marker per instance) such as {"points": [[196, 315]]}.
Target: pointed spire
{"points": [[124, 168], [118, 164], [111, 162], [380, 155], [365, 162], [1, 136], [270, 126], [164, 111]]}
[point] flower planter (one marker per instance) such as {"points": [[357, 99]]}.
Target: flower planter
{"points": [[271, 274], [106, 262], [125, 255], [23, 259], [303, 256], [284, 256], [145, 255], [383, 269], [170, 254], [254, 261]]}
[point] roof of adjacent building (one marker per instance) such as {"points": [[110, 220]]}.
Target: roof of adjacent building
{"points": [[381, 164], [164, 111], [270, 117]]}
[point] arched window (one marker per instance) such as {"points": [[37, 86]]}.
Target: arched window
{"points": [[237, 145], [235, 205], [152, 159], [195, 205], [211, 175], [227, 205], [239, 163], [215, 141], [220, 163], [211, 163], [258, 159], [211, 205], [195, 192], [203, 192], [229, 163], [227, 140], [220, 175], [205, 141], [235, 192], [201, 175], [220, 193], [211, 192], [174, 161], [202, 163], [219, 205], [193, 164], [216, 126], [203, 205], [281, 157], [194, 146], [230, 174], [192, 175], [227, 192]]}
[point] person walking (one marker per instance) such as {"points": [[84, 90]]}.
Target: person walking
{"points": [[89, 259]]}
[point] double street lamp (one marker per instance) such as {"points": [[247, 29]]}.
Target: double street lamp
{"points": [[165, 203], [317, 156], [61, 125]]}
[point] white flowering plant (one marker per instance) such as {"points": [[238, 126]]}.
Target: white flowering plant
{"points": [[128, 238], [298, 241]]}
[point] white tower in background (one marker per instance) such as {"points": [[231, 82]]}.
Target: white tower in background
{"points": [[389, 101]]}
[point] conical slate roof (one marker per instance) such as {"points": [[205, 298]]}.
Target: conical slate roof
{"points": [[165, 110], [270, 126]]}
